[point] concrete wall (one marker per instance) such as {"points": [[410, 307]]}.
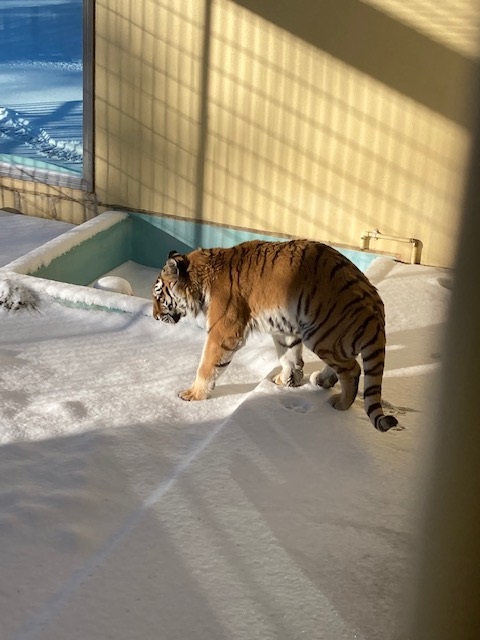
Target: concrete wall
{"points": [[309, 118]]}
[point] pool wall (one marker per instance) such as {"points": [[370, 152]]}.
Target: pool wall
{"points": [[138, 237], [85, 253]]}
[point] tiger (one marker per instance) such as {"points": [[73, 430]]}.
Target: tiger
{"points": [[303, 293]]}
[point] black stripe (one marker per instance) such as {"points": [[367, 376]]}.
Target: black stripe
{"points": [[361, 330], [374, 371], [286, 324], [339, 265], [314, 327], [326, 333], [264, 253], [230, 273], [307, 303], [374, 407], [223, 364], [299, 304], [318, 257], [294, 343], [372, 390], [347, 285], [276, 255], [323, 337], [371, 341], [303, 254], [351, 303], [373, 355], [293, 255]]}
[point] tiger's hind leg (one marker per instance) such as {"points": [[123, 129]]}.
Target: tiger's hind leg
{"points": [[289, 351], [349, 375], [346, 372], [326, 378]]}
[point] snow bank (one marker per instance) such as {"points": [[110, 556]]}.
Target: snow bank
{"points": [[79, 296], [14, 295]]}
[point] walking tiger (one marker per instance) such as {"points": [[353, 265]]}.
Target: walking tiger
{"points": [[302, 293]]}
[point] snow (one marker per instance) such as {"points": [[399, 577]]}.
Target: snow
{"points": [[18, 239], [42, 256], [261, 513]]}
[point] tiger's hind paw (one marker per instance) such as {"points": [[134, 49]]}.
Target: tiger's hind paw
{"points": [[337, 402], [323, 379]]}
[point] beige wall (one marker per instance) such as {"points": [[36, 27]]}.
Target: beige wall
{"points": [[310, 118], [44, 201]]}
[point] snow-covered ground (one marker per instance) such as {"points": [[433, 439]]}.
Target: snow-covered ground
{"points": [[261, 513]]}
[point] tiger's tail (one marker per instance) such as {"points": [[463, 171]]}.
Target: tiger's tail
{"points": [[373, 356]]}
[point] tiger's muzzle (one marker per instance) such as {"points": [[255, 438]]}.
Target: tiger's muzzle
{"points": [[164, 316], [170, 318]]}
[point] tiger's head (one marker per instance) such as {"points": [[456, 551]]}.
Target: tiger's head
{"points": [[170, 301]]}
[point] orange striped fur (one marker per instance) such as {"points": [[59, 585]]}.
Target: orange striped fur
{"points": [[302, 293]]}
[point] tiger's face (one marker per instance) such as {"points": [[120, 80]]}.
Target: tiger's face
{"points": [[169, 302], [165, 306]]}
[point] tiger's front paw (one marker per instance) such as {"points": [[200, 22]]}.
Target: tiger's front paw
{"points": [[192, 394], [293, 378]]}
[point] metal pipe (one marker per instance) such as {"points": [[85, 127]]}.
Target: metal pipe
{"points": [[375, 234]]}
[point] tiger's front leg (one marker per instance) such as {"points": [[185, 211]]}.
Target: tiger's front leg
{"points": [[289, 351], [216, 356]]}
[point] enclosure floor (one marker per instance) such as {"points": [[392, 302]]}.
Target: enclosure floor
{"points": [[259, 514]]}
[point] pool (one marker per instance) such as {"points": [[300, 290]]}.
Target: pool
{"points": [[129, 245]]}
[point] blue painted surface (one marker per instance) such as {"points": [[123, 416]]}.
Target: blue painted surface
{"points": [[187, 235], [42, 30], [41, 74], [89, 260]]}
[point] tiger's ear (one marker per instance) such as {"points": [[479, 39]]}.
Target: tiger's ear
{"points": [[176, 265]]}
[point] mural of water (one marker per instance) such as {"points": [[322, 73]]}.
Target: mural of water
{"points": [[41, 84]]}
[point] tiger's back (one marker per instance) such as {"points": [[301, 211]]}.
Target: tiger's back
{"points": [[301, 292]]}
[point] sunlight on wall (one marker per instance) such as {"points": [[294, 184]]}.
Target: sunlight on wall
{"points": [[455, 23], [46, 201], [147, 103], [301, 143], [208, 110]]}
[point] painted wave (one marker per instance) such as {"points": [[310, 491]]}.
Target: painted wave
{"points": [[13, 125]]}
